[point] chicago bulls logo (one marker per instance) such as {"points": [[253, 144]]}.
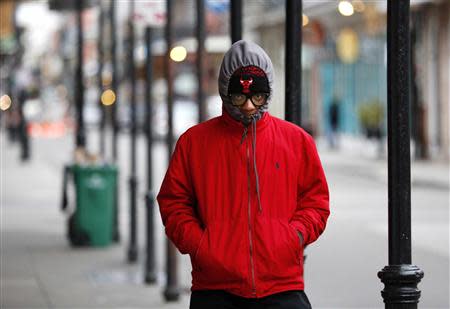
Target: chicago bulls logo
{"points": [[246, 83]]}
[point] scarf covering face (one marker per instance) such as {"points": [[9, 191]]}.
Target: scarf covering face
{"points": [[243, 54]]}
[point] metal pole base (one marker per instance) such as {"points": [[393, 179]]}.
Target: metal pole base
{"points": [[150, 278], [132, 250], [116, 235], [132, 254], [400, 286], [81, 138], [171, 293], [150, 274]]}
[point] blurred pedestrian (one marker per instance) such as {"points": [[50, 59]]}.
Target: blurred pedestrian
{"points": [[244, 193], [23, 126], [333, 115], [13, 120]]}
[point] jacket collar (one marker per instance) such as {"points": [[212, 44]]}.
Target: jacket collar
{"points": [[236, 126]]}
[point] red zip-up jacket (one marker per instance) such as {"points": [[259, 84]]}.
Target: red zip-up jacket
{"points": [[210, 209]]}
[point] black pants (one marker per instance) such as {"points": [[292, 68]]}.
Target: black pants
{"points": [[224, 300]]}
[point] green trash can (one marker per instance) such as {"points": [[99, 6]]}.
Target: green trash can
{"points": [[93, 221]]}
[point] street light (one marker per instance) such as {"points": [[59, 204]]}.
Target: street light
{"points": [[108, 97], [178, 53], [305, 20], [346, 8], [5, 102]]}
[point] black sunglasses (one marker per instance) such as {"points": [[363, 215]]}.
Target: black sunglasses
{"points": [[258, 99]]}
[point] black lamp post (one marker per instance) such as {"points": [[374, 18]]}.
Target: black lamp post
{"points": [[101, 21], [132, 248], [79, 88], [201, 59], [150, 273], [293, 67], [236, 20], [115, 128], [400, 277], [171, 291], [114, 81]]}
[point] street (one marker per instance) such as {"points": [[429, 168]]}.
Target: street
{"points": [[40, 270]]}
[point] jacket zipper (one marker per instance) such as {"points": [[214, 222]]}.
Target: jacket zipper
{"points": [[249, 217]]}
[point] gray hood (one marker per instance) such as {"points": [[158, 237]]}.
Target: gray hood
{"points": [[241, 54]]}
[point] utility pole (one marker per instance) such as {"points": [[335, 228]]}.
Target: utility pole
{"points": [[400, 277]]}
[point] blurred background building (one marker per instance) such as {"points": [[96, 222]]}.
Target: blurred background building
{"points": [[344, 60], [344, 64]]}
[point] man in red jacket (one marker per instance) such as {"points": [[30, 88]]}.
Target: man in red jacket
{"points": [[244, 193]]}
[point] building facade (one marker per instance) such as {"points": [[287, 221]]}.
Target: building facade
{"points": [[344, 59]]}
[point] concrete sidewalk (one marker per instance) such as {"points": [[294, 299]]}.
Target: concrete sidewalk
{"points": [[362, 157], [38, 267], [40, 270]]}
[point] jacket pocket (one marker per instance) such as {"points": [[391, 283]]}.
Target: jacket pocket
{"points": [[221, 257], [299, 244], [194, 257], [278, 251]]}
